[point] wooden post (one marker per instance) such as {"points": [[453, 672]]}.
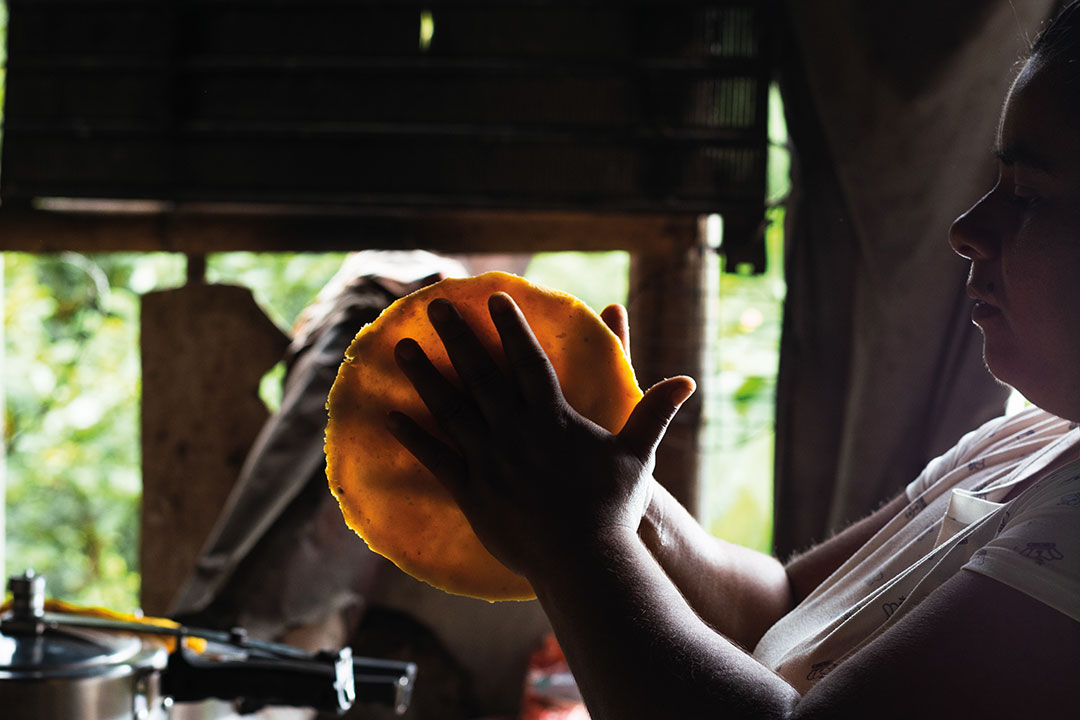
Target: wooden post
{"points": [[669, 336], [205, 349]]}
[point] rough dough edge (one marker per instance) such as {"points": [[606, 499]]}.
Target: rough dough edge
{"points": [[510, 283]]}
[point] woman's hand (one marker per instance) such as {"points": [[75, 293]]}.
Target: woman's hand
{"points": [[535, 478], [615, 317]]}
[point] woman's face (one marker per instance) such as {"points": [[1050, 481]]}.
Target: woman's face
{"points": [[1023, 240]]}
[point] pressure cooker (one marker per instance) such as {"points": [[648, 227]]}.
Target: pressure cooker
{"points": [[61, 666]]}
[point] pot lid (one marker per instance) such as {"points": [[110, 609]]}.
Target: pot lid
{"points": [[31, 648], [65, 651]]}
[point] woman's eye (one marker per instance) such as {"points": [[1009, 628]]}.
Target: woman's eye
{"points": [[1023, 198]]}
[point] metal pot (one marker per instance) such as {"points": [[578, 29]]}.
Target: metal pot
{"points": [[64, 667], [48, 673]]}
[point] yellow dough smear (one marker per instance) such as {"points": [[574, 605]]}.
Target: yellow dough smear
{"points": [[395, 504]]}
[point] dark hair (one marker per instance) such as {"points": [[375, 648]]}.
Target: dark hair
{"points": [[1057, 52], [1059, 42]]}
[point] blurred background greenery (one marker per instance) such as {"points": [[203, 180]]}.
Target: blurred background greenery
{"points": [[736, 499], [71, 381]]}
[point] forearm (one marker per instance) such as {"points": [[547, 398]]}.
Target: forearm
{"points": [[808, 570], [638, 650], [738, 591]]}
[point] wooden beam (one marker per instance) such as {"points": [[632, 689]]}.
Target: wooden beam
{"points": [[85, 226], [669, 335], [205, 349]]}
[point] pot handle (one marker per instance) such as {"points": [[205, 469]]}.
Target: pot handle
{"points": [[327, 681]]}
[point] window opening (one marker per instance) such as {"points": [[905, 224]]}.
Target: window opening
{"points": [[71, 380], [737, 490], [427, 29]]}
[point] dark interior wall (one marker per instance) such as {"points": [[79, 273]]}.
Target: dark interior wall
{"points": [[547, 104]]}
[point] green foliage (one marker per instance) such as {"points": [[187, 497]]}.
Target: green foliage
{"points": [[740, 414], [283, 283], [71, 379], [598, 279], [778, 182], [72, 382], [739, 431]]}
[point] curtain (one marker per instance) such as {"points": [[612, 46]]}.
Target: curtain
{"points": [[892, 110]]}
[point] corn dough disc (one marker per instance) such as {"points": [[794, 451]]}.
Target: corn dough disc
{"points": [[399, 508]]}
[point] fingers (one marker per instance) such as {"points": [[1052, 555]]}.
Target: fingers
{"points": [[529, 363], [448, 405], [470, 359], [615, 317], [444, 463], [489, 398], [649, 421]]}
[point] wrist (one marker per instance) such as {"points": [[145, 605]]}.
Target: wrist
{"points": [[653, 527], [605, 550]]}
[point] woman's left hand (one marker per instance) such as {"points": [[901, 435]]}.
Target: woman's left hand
{"points": [[535, 478]]}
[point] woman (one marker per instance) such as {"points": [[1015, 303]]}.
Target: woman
{"points": [[958, 599]]}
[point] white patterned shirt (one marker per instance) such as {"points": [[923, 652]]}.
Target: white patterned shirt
{"points": [[957, 518]]}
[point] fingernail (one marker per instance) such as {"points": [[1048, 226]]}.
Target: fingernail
{"points": [[680, 394], [408, 350], [440, 310], [499, 302]]}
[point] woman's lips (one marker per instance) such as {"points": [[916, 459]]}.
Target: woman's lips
{"points": [[984, 311]]}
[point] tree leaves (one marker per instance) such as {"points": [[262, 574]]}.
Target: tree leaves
{"points": [[72, 392]]}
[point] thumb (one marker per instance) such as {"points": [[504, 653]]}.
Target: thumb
{"points": [[614, 316], [649, 421]]}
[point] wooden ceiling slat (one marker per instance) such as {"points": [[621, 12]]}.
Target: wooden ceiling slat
{"points": [[482, 171], [201, 229], [572, 105]]}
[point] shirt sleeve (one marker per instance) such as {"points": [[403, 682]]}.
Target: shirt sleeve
{"points": [[1037, 546], [940, 466], [1027, 428]]}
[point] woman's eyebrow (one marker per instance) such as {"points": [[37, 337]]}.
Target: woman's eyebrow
{"points": [[1011, 155]]}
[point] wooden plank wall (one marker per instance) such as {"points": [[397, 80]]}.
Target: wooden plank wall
{"points": [[593, 106]]}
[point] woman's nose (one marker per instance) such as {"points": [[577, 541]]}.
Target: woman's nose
{"points": [[975, 235]]}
